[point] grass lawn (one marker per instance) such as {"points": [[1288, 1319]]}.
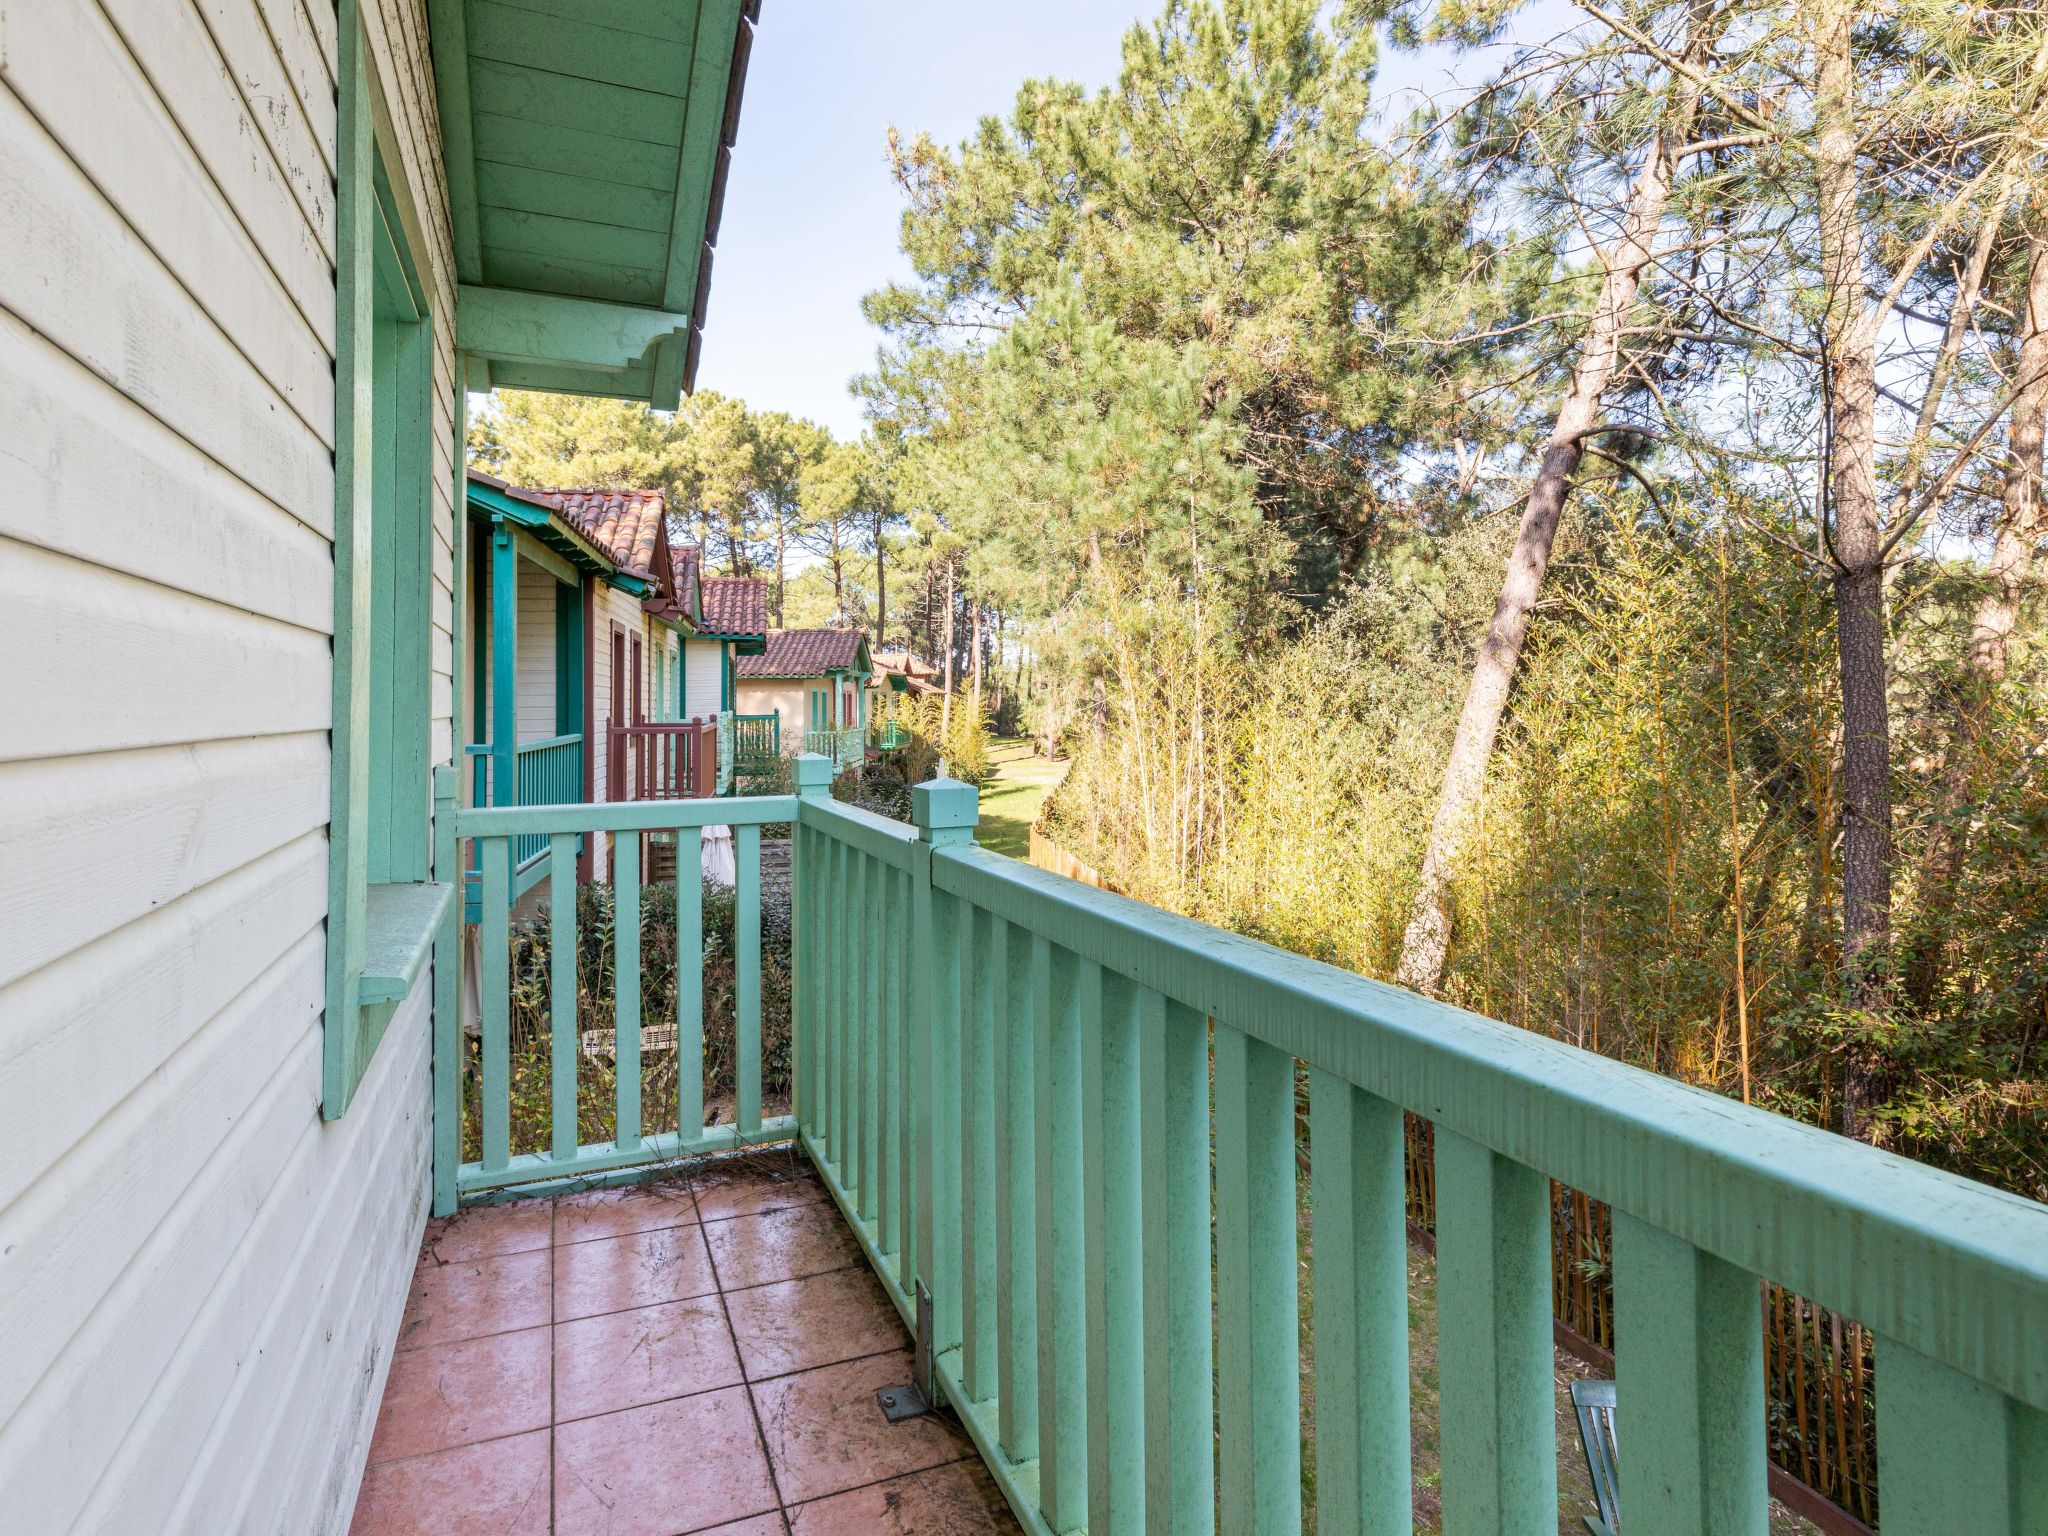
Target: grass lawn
{"points": [[1019, 780]]}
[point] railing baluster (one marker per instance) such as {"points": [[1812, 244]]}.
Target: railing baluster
{"points": [[906, 1125], [1257, 1302], [690, 982], [1062, 1364], [495, 1112], [1016, 1219], [869, 1034], [1173, 1121], [1689, 1372], [977, 1154], [1111, 1164], [626, 988], [747, 949], [888, 1035], [803, 882], [834, 1004], [1954, 1455], [564, 1036], [1361, 1312], [1498, 1396]]}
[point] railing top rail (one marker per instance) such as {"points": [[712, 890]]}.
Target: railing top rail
{"points": [[879, 837], [1951, 1268], [623, 816], [570, 739], [660, 727]]}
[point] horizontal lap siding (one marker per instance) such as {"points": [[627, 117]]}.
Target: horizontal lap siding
{"points": [[536, 659], [703, 667], [203, 1277]]}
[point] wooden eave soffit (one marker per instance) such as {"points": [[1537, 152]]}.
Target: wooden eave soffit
{"points": [[644, 349]]}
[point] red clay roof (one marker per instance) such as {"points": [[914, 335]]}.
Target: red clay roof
{"points": [[805, 653], [687, 562], [627, 525], [736, 605]]}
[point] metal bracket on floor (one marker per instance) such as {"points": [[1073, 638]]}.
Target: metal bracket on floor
{"points": [[921, 1394]]}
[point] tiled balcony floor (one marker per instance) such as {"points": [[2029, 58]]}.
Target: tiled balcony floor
{"points": [[697, 1354]]}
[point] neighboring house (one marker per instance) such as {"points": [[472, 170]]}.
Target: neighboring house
{"points": [[252, 259], [814, 681], [732, 624], [904, 672]]}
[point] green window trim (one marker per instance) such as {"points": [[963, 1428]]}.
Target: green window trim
{"points": [[383, 907]]}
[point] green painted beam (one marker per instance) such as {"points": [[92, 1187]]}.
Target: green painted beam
{"points": [[547, 330]]}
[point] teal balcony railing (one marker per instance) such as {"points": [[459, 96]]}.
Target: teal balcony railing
{"points": [[845, 745], [1069, 1120], [756, 743]]}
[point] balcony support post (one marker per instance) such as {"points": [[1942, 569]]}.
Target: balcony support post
{"points": [[504, 667]]}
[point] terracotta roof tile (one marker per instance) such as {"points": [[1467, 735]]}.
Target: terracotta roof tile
{"points": [[627, 525], [737, 605], [804, 653], [687, 562]]}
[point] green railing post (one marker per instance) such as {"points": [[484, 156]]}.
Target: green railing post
{"points": [[946, 813], [447, 999], [813, 782]]}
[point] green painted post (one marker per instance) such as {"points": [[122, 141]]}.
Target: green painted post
{"points": [[906, 1125], [504, 667], [869, 1084], [564, 1037], [626, 987], [690, 982], [1062, 1362], [495, 1023], [1173, 1130], [945, 812], [1016, 1209], [1689, 1386], [747, 946], [977, 972], [1257, 1297], [839, 1065], [807, 876], [1112, 1176], [1953, 1454], [889, 927], [1494, 1363], [1361, 1312], [447, 996]]}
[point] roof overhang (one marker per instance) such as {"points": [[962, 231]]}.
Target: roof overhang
{"points": [[587, 161], [548, 527]]}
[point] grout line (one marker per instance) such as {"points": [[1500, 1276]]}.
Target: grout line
{"points": [[753, 1408], [894, 1477], [552, 1222]]}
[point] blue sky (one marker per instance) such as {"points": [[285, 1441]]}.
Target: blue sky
{"points": [[810, 213]]}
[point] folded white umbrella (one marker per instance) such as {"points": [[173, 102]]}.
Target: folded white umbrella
{"points": [[719, 867]]}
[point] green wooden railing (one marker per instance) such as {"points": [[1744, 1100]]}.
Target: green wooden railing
{"points": [[1017, 1088], [888, 735], [756, 743], [845, 745], [1006, 1078]]}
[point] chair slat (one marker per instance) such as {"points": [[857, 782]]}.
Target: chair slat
{"points": [[1363, 1482], [564, 1036], [1494, 1365], [1113, 1323], [1689, 1388], [1953, 1454], [1016, 1190], [1257, 1298], [626, 988], [747, 954], [1173, 1118], [1062, 1365], [495, 1002]]}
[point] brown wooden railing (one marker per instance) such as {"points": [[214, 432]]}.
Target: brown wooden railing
{"points": [[670, 761]]}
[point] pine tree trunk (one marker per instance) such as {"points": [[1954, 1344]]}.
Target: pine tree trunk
{"points": [[946, 699], [778, 572], [1851, 490], [881, 589], [1425, 948]]}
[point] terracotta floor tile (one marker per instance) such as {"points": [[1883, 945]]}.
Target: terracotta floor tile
{"points": [[460, 1393], [623, 1359], [472, 1297], [641, 1269], [499, 1488], [784, 1244], [754, 1182], [682, 1465], [821, 1320], [630, 1208], [956, 1500], [485, 1231], [826, 1432]]}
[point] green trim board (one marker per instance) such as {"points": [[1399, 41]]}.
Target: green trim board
{"points": [[586, 153]]}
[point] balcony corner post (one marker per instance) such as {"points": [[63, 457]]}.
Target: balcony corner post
{"points": [[945, 812], [807, 906], [447, 1025]]}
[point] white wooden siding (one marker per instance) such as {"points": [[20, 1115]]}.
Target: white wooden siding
{"points": [[203, 1277], [536, 658]]}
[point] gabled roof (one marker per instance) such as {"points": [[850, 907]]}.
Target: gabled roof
{"points": [[738, 605], [493, 498], [630, 526], [808, 653], [687, 562]]}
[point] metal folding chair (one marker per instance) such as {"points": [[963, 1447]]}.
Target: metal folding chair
{"points": [[1593, 1406]]}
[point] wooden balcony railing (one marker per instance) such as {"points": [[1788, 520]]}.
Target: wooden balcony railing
{"points": [[845, 745], [756, 743], [663, 762], [1007, 1081]]}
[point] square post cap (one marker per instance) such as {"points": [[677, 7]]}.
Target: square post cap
{"points": [[945, 810], [813, 775]]}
